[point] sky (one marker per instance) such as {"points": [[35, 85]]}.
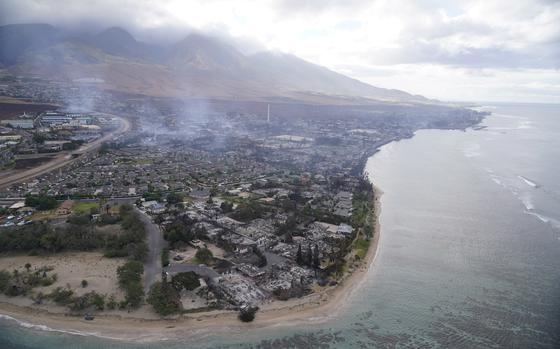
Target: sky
{"points": [[479, 50]]}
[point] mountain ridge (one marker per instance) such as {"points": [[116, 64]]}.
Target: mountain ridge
{"points": [[196, 66]]}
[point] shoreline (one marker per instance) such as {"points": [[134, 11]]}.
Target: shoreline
{"points": [[315, 308]]}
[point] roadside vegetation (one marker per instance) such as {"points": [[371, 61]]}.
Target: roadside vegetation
{"points": [[165, 257], [130, 280]]}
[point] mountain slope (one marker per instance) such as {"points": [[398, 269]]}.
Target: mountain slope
{"points": [[200, 52], [297, 74], [197, 66], [16, 39], [117, 41]]}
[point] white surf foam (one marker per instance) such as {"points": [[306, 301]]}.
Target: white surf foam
{"points": [[528, 181], [45, 328], [527, 201], [545, 219]]}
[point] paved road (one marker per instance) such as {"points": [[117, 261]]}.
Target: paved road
{"points": [[200, 270], [154, 238], [62, 159]]}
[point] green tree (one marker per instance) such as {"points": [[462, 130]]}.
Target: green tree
{"points": [[179, 231], [247, 211], [164, 299], [204, 255], [5, 278], [61, 296], [79, 219], [39, 138], [188, 281], [174, 198], [112, 303], [165, 257], [130, 277], [248, 314], [98, 301], [41, 202]]}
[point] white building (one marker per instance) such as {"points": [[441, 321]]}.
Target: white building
{"points": [[19, 123]]}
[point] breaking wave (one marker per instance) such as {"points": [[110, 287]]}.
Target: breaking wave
{"points": [[528, 181], [44, 328], [545, 219], [526, 197]]}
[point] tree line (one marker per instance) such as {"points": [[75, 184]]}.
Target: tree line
{"points": [[79, 234]]}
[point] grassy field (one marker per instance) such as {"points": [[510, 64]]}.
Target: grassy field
{"points": [[84, 207]]}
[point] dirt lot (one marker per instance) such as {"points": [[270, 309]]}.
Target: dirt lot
{"points": [[11, 107], [71, 268], [189, 252]]}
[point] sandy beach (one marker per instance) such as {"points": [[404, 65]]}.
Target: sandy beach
{"points": [[143, 326]]}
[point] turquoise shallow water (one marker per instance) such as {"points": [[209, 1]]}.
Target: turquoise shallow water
{"points": [[469, 252]]}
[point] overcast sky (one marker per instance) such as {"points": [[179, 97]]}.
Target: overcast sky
{"points": [[480, 50]]}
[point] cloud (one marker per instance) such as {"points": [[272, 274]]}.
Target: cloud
{"points": [[479, 33], [455, 83], [314, 7]]}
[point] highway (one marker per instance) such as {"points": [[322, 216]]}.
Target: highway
{"points": [[198, 269], [62, 159]]}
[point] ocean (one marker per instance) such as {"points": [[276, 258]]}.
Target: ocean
{"points": [[469, 254]]}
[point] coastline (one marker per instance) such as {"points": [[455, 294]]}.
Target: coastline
{"points": [[315, 308]]}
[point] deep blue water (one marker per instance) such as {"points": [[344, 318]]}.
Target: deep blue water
{"points": [[469, 253]]}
